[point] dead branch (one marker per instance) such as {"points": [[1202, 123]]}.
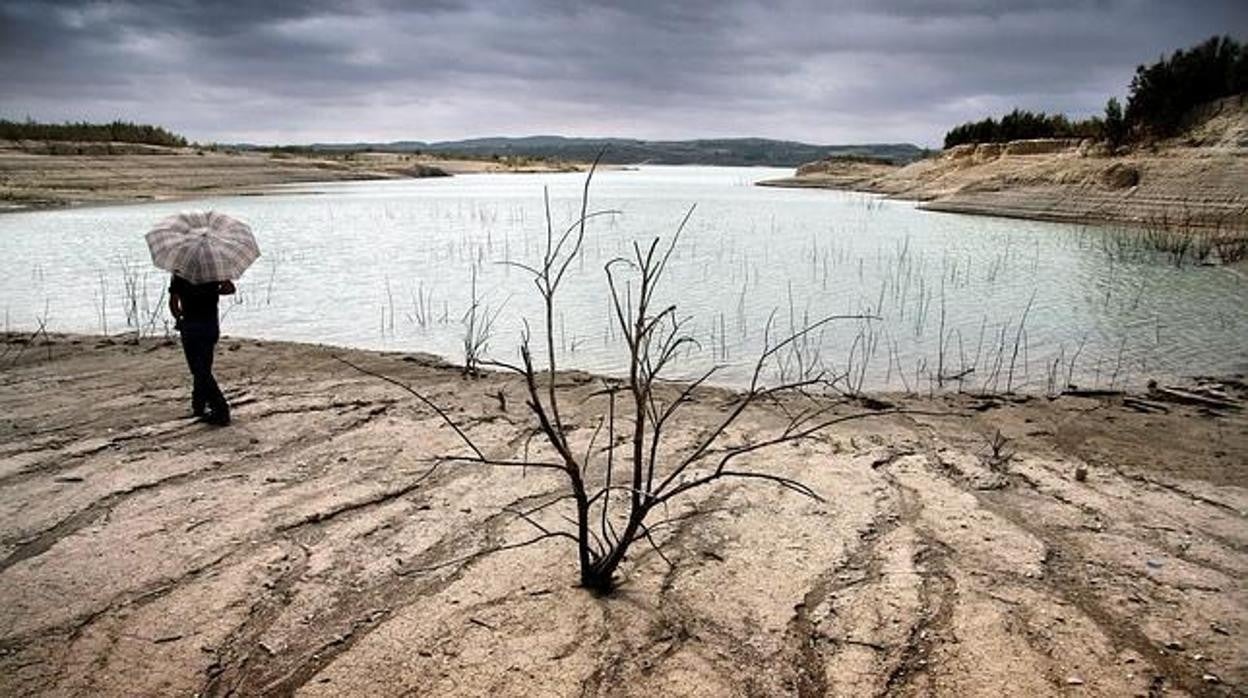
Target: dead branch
{"points": [[609, 509]]}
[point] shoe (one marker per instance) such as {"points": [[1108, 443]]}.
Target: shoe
{"points": [[216, 419]]}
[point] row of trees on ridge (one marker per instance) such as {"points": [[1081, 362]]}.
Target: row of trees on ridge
{"points": [[115, 132], [1159, 98]]}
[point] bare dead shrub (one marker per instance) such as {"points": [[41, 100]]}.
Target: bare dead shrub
{"points": [[629, 471], [999, 452]]}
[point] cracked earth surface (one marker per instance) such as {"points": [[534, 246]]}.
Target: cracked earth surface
{"points": [[307, 550]]}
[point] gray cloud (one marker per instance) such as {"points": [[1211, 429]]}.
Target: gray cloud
{"points": [[378, 70]]}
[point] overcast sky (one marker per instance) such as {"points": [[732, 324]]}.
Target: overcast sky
{"points": [[279, 71]]}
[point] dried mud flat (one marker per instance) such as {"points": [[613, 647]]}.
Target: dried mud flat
{"points": [[31, 179], [303, 551]]}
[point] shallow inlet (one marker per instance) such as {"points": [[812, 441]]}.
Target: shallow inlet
{"points": [[958, 301]]}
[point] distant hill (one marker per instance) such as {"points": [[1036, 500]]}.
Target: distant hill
{"points": [[629, 151]]}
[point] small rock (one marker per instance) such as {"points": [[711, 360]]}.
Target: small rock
{"points": [[1174, 645], [1153, 564], [1074, 681], [1219, 629], [1119, 176], [1210, 678], [1081, 473]]}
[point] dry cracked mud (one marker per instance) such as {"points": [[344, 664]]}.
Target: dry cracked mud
{"points": [[307, 549]]}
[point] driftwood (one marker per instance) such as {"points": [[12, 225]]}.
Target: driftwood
{"points": [[1192, 397], [1146, 406], [1200, 396], [1091, 392]]}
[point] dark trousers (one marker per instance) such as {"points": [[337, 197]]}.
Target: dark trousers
{"points": [[199, 343]]}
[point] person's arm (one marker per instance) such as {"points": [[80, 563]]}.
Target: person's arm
{"points": [[175, 302], [226, 288]]}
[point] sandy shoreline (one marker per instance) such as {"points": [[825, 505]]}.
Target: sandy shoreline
{"points": [[290, 553], [30, 179], [1182, 191], [1198, 182], [1180, 188]]}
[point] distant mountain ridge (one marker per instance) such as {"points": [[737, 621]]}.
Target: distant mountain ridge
{"points": [[631, 151]]}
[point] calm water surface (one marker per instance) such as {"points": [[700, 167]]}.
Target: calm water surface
{"points": [[387, 265]]}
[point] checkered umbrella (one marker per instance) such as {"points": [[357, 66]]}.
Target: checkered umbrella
{"points": [[203, 246]]}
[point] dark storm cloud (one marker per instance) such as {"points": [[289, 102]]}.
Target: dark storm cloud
{"points": [[804, 69]]}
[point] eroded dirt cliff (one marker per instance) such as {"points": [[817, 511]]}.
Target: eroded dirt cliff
{"points": [[1197, 181]]}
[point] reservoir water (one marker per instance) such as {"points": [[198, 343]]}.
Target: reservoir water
{"points": [[948, 300]]}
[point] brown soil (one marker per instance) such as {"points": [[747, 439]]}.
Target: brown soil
{"points": [[1197, 181], [304, 549], [38, 175]]}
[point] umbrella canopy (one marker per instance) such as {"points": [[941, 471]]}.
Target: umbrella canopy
{"points": [[203, 246]]}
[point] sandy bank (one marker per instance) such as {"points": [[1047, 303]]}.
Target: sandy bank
{"points": [[145, 554], [1197, 181], [833, 173], [38, 175]]}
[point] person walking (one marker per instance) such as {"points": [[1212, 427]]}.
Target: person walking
{"points": [[194, 308], [205, 251]]}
